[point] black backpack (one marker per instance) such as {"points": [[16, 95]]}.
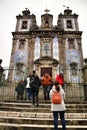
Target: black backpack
{"points": [[32, 82]]}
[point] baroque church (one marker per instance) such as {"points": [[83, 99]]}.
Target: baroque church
{"points": [[46, 48]]}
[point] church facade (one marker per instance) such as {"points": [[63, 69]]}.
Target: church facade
{"points": [[46, 48]]}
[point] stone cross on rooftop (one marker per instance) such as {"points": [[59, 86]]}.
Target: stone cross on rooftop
{"points": [[46, 10]]}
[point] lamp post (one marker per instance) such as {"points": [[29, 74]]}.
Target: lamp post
{"points": [[1, 71]]}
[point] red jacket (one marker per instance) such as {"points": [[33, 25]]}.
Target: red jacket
{"points": [[60, 79]]}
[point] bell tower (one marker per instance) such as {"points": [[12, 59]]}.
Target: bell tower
{"points": [[46, 21], [68, 20], [21, 57], [72, 43]]}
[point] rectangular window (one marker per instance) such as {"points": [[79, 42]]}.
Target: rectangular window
{"points": [[69, 24], [24, 25]]}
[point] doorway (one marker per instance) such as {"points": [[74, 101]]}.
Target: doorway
{"points": [[46, 70]]}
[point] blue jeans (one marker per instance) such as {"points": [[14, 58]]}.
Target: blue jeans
{"points": [[35, 98], [55, 116], [46, 90], [29, 93]]}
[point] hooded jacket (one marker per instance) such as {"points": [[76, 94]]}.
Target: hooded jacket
{"points": [[58, 107], [46, 80], [20, 88], [60, 79]]}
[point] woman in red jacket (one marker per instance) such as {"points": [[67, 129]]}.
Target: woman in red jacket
{"points": [[60, 79]]}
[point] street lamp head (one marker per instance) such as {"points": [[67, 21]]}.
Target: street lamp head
{"points": [[0, 61]]}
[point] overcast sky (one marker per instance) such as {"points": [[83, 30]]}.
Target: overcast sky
{"points": [[9, 9]]}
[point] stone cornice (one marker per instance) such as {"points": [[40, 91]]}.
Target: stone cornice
{"points": [[46, 32]]}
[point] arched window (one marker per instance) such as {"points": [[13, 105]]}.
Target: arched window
{"points": [[46, 24]]}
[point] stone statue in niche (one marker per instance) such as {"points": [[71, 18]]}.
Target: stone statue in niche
{"points": [[59, 25], [21, 44], [71, 44]]}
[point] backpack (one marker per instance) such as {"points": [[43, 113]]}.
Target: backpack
{"points": [[32, 82], [56, 98]]}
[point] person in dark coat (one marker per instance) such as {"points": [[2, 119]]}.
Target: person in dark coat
{"points": [[20, 90], [35, 89]]}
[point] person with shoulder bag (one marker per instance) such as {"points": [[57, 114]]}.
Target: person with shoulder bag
{"points": [[35, 83], [28, 88], [36, 90], [58, 106]]}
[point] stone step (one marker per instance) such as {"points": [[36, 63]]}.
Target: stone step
{"points": [[27, 107], [82, 107], [41, 115], [40, 109], [46, 104], [12, 126], [41, 121], [24, 116]]}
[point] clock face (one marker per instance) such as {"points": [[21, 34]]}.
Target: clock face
{"points": [[20, 56], [72, 56]]}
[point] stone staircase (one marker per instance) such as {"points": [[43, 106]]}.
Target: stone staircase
{"points": [[19, 115]]}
